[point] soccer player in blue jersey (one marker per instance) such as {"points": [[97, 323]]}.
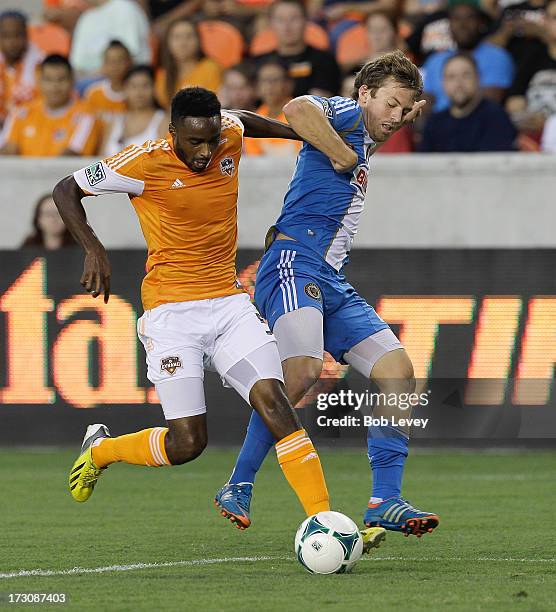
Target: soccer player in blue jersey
{"points": [[302, 292]]}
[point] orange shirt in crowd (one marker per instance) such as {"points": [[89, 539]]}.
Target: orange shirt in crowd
{"points": [[189, 219], [103, 101], [207, 73], [39, 132], [18, 83], [271, 146]]}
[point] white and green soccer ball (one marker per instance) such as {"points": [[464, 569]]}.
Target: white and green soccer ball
{"points": [[328, 543]]}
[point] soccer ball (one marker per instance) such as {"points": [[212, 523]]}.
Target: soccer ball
{"points": [[328, 543]]}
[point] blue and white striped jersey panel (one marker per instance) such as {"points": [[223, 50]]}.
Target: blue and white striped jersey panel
{"points": [[287, 279], [322, 207], [344, 237]]}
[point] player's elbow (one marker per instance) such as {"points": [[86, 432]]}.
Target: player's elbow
{"points": [[295, 109], [64, 189]]}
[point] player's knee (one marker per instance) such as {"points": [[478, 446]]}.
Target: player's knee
{"points": [[398, 377], [402, 381], [301, 378], [185, 447], [270, 395]]}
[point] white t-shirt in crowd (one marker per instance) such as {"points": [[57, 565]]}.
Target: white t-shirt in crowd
{"points": [[122, 20]]}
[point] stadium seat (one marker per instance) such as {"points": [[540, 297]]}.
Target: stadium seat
{"points": [[265, 41], [51, 38], [353, 46], [222, 42]]}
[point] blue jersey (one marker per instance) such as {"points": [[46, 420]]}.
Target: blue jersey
{"points": [[322, 207]]}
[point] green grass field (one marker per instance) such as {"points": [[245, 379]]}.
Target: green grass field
{"points": [[494, 549]]}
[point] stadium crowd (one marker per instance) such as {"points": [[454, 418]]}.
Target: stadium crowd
{"points": [[97, 75]]}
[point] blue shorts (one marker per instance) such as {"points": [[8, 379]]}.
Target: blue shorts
{"points": [[292, 276]]}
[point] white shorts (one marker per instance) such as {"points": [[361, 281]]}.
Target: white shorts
{"points": [[182, 339]]}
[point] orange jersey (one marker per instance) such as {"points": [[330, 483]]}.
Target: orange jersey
{"points": [[207, 73], [189, 219], [103, 102], [18, 84], [272, 146], [39, 132]]}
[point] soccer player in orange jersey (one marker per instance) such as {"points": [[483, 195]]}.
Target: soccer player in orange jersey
{"points": [[197, 316]]}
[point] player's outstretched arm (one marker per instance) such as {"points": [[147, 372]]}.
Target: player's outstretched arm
{"points": [[67, 196], [310, 122], [257, 126]]}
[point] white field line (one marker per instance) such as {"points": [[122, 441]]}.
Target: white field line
{"points": [[198, 562]]}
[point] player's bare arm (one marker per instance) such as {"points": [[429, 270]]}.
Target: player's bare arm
{"points": [[310, 122], [257, 126], [96, 270]]}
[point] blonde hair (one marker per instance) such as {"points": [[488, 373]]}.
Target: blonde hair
{"points": [[393, 65]]}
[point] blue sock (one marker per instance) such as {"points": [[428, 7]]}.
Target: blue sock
{"points": [[387, 454], [256, 445]]}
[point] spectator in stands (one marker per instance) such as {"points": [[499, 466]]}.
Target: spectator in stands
{"points": [[49, 231], [64, 13], [143, 120], [472, 123], [532, 97], [54, 124], [274, 88], [313, 71], [469, 25], [184, 63], [430, 34], [238, 89], [19, 61], [106, 98], [108, 20], [382, 37], [520, 29], [163, 12]]}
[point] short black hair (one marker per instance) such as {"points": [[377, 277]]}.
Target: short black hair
{"points": [[140, 69], [276, 63], [17, 15], [56, 60], [116, 44], [194, 102]]}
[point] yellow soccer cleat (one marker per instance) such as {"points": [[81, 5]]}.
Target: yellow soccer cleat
{"points": [[373, 538], [84, 473]]}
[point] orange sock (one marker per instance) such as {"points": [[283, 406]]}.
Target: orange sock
{"points": [[144, 447], [301, 466]]}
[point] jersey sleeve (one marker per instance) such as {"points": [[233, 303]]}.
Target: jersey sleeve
{"points": [[121, 173], [233, 128], [344, 114], [230, 120]]}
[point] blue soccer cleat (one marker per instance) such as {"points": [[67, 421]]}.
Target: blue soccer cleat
{"points": [[396, 514], [234, 501]]}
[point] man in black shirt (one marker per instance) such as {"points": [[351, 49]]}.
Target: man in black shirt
{"points": [[471, 124], [313, 71]]}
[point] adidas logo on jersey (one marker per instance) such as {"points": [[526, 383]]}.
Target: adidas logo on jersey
{"points": [[177, 184]]}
